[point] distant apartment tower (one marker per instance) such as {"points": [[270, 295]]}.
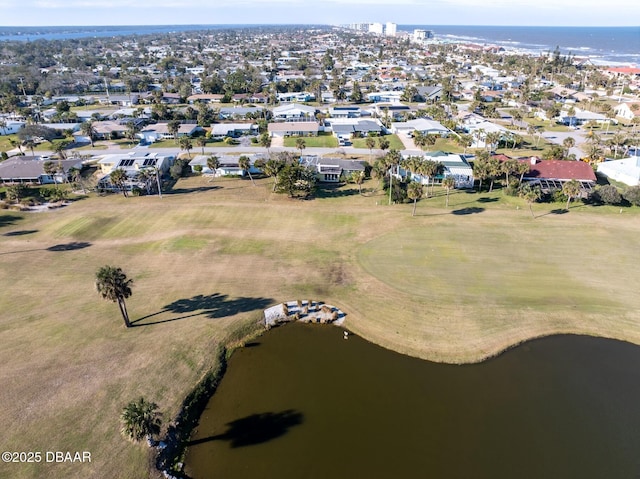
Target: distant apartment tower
{"points": [[422, 35], [359, 27], [377, 28], [391, 29]]}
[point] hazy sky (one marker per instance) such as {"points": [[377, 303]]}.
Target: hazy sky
{"points": [[408, 12]]}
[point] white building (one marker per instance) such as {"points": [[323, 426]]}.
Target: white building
{"points": [[626, 171], [421, 35], [376, 28], [391, 29]]}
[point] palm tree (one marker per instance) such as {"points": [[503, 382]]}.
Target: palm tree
{"points": [[415, 190], [140, 419], [383, 144], [3, 125], [271, 168], [112, 284], [201, 141], [371, 144], [358, 178], [530, 195], [523, 169], [29, 143], [448, 183], [132, 130], [300, 145], [16, 144], [89, 130], [245, 163], [213, 163], [119, 179], [173, 127], [59, 149], [569, 142], [50, 169], [265, 141], [186, 144], [508, 167], [572, 189]]}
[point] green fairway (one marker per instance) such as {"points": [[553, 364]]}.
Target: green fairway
{"points": [[453, 284]]}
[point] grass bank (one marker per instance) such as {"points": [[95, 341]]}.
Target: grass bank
{"points": [[453, 284]]}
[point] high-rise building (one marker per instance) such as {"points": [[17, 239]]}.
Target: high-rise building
{"points": [[391, 29], [422, 35], [376, 28]]}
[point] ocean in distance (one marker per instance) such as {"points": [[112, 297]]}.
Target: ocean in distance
{"points": [[615, 46]]}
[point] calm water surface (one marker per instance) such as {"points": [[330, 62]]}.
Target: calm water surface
{"points": [[301, 402]]}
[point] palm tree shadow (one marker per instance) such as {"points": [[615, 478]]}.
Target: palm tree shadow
{"points": [[9, 220], [467, 211], [211, 306], [20, 233], [256, 429]]}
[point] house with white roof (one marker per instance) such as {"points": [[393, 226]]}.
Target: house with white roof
{"points": [[455, 166], [294, 112], [132, 165], [228, 165], [625, 171], [233, 130], [423, 125]]}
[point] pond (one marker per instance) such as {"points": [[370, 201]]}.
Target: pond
{"points": [[302, 402]]}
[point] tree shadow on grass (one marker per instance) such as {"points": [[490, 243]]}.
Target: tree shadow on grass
{"points": [[9, 220], [183, 191], [20, 233], [74, 245], [212, 306], [557, 211], [256, 429], [467, 211], [487, 199], [69, 246], [334, 191]]}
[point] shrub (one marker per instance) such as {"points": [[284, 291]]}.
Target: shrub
{"points": [[197, 169], [607, 194], [632, 195]]}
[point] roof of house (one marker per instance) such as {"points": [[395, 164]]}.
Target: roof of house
{"points": [[225, 128], [294, 126], [560, 170], [163, 128], [31, 167], [292, 107]]}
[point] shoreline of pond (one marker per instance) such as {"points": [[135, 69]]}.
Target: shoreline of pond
{"points": [[187, 420]]}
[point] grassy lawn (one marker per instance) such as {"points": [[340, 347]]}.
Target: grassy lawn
{"points": [[452, 284], [173, 144], [5, 142], [394, 142], [323, 140]]}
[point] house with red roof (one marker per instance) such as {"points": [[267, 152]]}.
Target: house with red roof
{"points": [[550, 175]]}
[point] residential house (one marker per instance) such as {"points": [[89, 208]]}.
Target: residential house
{"points": [[345, 112], [423, 125], [233, 130], [9, 127], [429, 93], [237, 113], [30, 169], [160, 131], [132, 165], [293, 128], [550, 175], [332, 170], [626, 171], [205, 98], [294, 112], [627, 110], [455, 166], [346, 128], [229, 165]]}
